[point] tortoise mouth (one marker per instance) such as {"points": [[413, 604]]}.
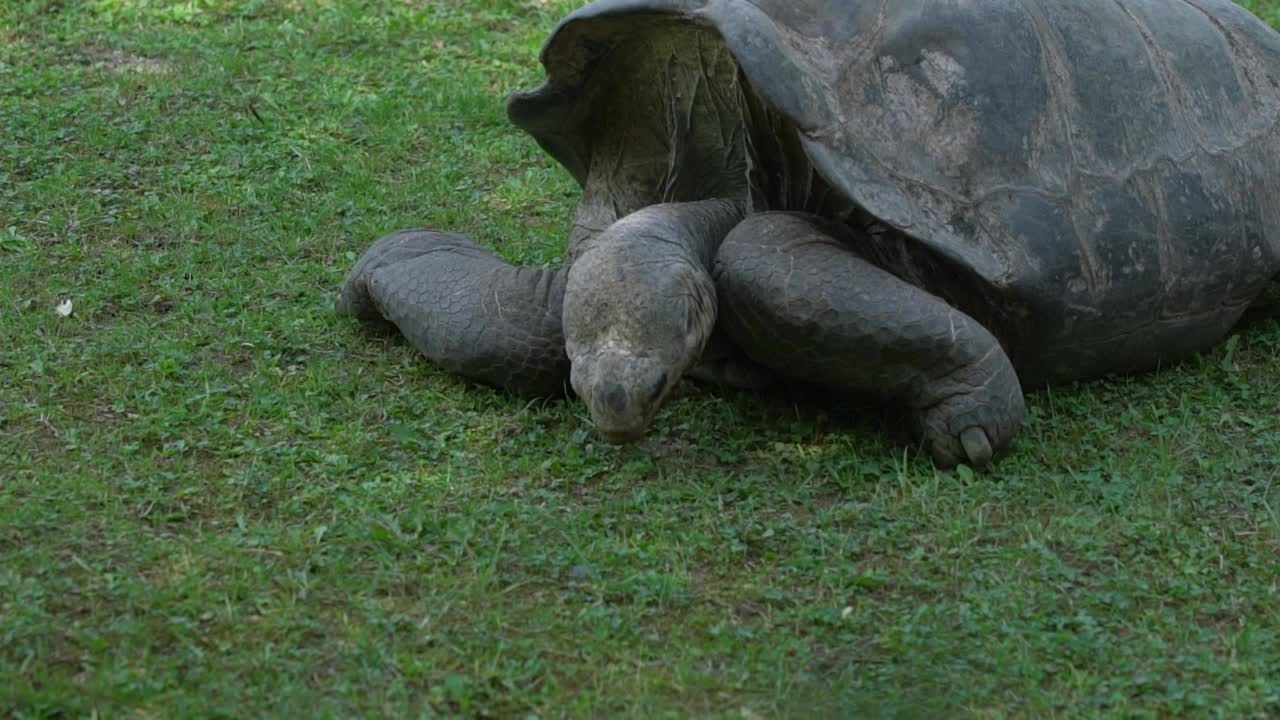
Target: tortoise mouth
{"points": [[623, 437], [622, 392]]}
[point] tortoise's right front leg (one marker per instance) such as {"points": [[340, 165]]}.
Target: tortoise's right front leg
{"points": [[798, 301], [465, 309]]}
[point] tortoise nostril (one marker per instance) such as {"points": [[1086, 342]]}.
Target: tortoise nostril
{"points": [[615, 398]]}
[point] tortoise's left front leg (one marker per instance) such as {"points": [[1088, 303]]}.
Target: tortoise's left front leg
{"points": [[798, 301], [465, 309]]}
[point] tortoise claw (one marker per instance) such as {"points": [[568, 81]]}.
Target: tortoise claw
{"points": [[976, 446], [979, 412]]}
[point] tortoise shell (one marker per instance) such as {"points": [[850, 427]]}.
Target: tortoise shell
{"points": [[1098, 181]]}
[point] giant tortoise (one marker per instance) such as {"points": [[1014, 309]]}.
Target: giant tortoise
{"points": [[941, 202]]}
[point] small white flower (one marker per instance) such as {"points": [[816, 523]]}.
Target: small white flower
{"points": [[65, 308]]}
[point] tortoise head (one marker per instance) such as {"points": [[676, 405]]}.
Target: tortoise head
{"points": [[638, 310]]}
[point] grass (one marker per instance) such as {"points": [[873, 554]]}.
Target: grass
{"points": [[217, 499]]}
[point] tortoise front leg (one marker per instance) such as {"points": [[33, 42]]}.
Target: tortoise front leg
{"points": [[465, 309], [797, 300]]}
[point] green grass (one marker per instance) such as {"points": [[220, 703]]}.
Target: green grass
{"points": [[219, 499]]}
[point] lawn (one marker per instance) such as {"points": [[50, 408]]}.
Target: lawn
{"points": [[219, 499]]}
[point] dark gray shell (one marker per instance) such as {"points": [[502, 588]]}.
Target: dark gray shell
{"points": [[1107, 170]]}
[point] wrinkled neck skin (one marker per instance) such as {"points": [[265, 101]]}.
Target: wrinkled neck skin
{"points": [[639, 308]]}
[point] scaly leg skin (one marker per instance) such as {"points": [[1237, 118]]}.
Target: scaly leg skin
{"points": [[465, 309], [797, 300]]}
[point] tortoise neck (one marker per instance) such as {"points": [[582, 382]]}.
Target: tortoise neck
{"points": [[695, 229], [684, 232], [702, 226]]}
